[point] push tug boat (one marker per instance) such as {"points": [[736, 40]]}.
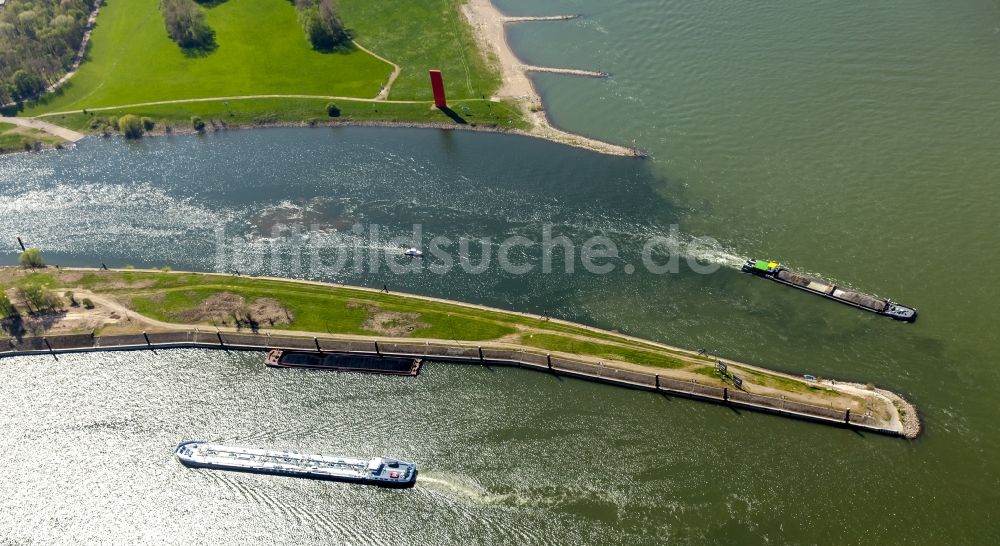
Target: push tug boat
{"points": [[376, 471], [778, 273]]}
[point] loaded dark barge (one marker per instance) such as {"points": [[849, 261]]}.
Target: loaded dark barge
{"points": [[344, 362], [778, 273]]}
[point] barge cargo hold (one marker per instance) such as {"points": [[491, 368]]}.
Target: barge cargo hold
{"points": [[778, 273], [376, 471], [344, 362]]}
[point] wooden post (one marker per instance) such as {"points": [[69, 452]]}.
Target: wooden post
{"points": [[145, 335], [548, 359], [847, 416], [20, 242], [51, 352], [219, 335], [657, 381], [725, 394], [318, 348], [481, 359], [377, 351]]}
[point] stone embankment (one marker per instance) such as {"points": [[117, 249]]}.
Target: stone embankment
{"points": [[467, 353]]}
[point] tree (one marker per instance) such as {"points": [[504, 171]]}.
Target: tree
{"points": [[332, 110], [87, 303], [148, 124], [186, 25], [131, 126], [198, 124], [322, 25], [38, 38], [27, 85], [32, 258]]}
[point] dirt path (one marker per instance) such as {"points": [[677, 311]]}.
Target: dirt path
{"points": [[61, 132], [488, 24], [236, 97], [384, 92]]}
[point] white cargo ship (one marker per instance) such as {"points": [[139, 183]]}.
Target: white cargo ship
{"points": [[376, 471]]}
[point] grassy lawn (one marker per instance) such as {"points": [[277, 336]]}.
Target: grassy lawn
{"points": [[263, 111], [261, 50], [419, 35]]}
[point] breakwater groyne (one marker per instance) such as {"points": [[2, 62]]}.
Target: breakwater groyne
{"points": [[453, 352], [530, 18], [566, 71]]}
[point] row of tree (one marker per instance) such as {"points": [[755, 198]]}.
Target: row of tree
{"points": [[322, 25], [38, 42], [186, 25]]}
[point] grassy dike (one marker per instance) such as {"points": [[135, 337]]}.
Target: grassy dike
{"points": [[131, 61], [294, 111], [166, 301]]}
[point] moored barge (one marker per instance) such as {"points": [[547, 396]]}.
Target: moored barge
{"points": [[378, 471], [780, 274], [344, 362]]}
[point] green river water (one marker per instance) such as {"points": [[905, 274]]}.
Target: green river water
{"points": [[854, 140]]}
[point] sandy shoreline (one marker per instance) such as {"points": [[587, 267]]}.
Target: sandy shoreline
{"points": [[488, 26]]}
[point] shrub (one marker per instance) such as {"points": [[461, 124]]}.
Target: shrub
{"points": [[332, 110], [87, 303], [7, 308], [198, 124], [113, 122], [166, 269], [131, 126], [34, 297], [72, 298], [31, 257], [148, 124], [186, 25]]}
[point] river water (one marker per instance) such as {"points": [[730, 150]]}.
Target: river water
{"points": [[852, 140]]}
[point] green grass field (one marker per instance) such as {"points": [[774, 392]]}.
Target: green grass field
{"points": [[246, 112], [261, 50], [419, 35]]}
